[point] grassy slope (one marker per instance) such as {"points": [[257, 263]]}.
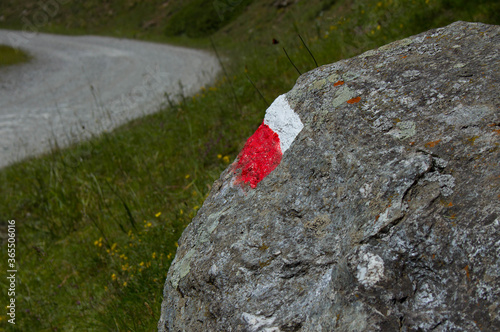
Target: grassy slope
{"points": [[97, 223]]}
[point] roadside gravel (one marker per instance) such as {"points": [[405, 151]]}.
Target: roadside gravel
{"points": [[77, 86]]}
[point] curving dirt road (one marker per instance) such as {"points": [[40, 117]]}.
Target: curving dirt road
{"points": [[78, 86]]}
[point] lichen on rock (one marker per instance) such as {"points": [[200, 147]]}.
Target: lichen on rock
{"points": [[382, 215]]}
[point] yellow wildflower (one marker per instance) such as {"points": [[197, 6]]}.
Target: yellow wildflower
{"points": [[153, 255], [158, 214], [113, 277], [125, 284], [187, 176], [98, 242], [225, 159]]}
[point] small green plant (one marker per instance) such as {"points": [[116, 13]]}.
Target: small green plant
{"points": [[11, 56]]}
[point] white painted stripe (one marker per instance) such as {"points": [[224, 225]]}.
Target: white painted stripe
{"points": [[281, 118]]}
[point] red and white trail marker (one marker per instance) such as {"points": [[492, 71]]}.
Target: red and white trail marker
{"points": [[263, 151]]}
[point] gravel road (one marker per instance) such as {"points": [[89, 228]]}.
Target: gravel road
{"points": [[78, 86]]}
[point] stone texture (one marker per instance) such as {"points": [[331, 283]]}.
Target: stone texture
{"points": [[384, 214]]}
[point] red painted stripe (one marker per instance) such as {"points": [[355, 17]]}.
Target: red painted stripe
{"points": [[259, 157]]}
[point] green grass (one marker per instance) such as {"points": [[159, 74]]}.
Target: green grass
{"points": [[209, 19], [98, 222], [10, 56]]}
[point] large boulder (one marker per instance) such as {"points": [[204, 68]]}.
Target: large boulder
{"points": [[380, 213]]}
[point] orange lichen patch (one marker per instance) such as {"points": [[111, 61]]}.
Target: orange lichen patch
{"points": [[432, 144], [263, 247], [497, 131], [354, 100], [450, 204], [266, 263], [338, 83], [412, 143], [472, 139], [404, 56], [467, 273]]}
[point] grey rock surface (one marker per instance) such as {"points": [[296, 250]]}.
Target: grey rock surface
{"points": [[384, 214]]}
